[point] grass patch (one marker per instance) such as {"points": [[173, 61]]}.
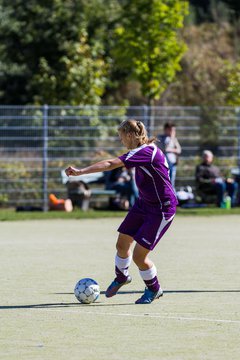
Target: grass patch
{"points": [[197, 318], [208, 211], [12, 215]]}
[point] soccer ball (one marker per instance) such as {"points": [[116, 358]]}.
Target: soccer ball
{"points": [[87, 290]]}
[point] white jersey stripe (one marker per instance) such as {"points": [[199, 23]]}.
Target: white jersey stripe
{"points": [[154, 151], [134, 151]]}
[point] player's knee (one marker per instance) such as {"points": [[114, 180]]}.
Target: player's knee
{"points": [[123, 244]]}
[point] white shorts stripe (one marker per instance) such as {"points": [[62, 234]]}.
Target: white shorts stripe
{"points": [[163, 223]]}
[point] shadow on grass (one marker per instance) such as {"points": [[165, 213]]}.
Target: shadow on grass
{"points": [[64, 304], [199, 291], [58, 305], [165, 292], [39, 306]]}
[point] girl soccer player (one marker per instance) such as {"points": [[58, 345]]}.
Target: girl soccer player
{"points": [[150, 216]]}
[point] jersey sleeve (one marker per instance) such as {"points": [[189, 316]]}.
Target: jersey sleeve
{"points": [[137, 157]]}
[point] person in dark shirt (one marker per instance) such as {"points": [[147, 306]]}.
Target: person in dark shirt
{"points": [[210, 181], [122, 180]]}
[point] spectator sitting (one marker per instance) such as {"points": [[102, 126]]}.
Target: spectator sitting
{"points": [[210, 181], [59, 204], [122, 181], [171, 148], [79, 193]]}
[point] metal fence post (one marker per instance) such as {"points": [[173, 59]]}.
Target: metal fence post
{"points": [[45, 158], [237, 110], [146, 117]]}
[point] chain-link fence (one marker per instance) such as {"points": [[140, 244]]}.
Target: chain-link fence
{"points": [[36, 143]]}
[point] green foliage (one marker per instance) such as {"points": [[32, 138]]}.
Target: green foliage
{"points": [[147, 45], [232, 73], [213, 10], [209, 128], [46, 56], [203, 79], [102, 51], [233, 5], [81, 81], [3, 199], [16, 180]]}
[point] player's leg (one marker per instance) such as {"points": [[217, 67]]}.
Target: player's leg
{"points": [[127, 230], [123, 260], [220, 189], [232, 190], [123, 257], [148, 273]]}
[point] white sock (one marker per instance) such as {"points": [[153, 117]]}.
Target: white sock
{"points": [[123, 264], [150, 278], [148, 274]]}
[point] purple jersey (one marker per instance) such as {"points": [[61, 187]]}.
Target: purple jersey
{"points": [[151, 175]]}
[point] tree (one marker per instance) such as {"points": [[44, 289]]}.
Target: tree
{"points": [[234, 5], [212, 10], [232, 73], [46, 56], [147, 46], [202, 80]]}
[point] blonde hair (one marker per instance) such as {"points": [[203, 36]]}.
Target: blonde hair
{"points": [[138, 129]]}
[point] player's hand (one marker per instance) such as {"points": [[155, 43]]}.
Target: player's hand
{"points": [[71, 171]]}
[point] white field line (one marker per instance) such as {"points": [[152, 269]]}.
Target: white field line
{"points": [[146, 315]]}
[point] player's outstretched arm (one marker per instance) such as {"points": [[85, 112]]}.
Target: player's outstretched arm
{"points": [[104, 165]]}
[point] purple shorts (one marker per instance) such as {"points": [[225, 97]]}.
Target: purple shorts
{"points": [[147, 224]]}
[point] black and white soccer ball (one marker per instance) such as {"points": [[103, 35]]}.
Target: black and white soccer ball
{"points": [[87, 291]]}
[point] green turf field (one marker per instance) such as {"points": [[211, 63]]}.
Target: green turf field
{"points": [[197, 318]]}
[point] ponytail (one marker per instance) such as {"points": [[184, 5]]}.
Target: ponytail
{"points": [[138, 129]]}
